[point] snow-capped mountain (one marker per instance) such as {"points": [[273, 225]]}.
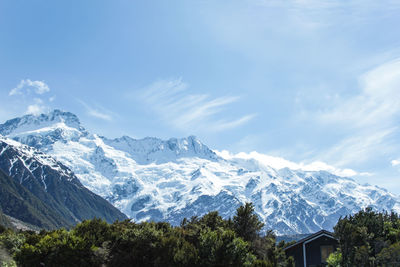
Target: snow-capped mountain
{"points": [[152, 179]]}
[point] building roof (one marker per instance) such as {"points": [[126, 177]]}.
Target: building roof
{"points": [[312, 236]]}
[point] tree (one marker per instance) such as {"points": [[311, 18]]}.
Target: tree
{"points": [[223, 248], [212, 220], [389, 256], [334, 259], [246, 223], [138, 244], [57, 248], [368, 237], [94, 231]]}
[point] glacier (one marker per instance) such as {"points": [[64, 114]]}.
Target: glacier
{"points": [[154, 179]]}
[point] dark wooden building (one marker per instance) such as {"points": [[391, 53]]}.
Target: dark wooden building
{"points": [[313, 250]]}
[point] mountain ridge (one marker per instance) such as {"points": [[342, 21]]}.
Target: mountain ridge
{"points": [[154, 179]]}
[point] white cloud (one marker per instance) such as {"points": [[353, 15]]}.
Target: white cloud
{"points": [[395, 162], [280, 163], [27, 86], [37, 108], [98, 112], [28, 93], [172, 102]]}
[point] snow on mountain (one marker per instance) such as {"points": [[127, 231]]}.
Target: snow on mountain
{"points": [[153, 179]]}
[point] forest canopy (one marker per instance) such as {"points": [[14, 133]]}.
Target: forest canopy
{"points": [[209, 240], [367, 238]]}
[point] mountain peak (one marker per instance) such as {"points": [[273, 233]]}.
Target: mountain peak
{"points": [[44, 129], [32, 122], [151, 149], [66, 115]]}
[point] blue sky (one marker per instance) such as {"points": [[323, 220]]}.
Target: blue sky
{"points": [[309, 81]]}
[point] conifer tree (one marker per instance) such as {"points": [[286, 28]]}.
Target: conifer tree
{"points": [[246, 223]]}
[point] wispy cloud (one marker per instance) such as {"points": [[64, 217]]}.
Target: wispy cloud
{"points": [[225, 125], [97, 112], [171, 100], [26, 86], [377, 103], [370, 118]]}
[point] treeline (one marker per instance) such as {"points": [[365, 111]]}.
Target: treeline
{"points": [[368, 239], [199, 241]]}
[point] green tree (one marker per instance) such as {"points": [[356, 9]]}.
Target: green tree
{"points": [[334, 259], [366, 236], [212, 220], [246, 223], [57, 248], [12, 241], [95, 231], [389, 256], [223, 248], [137, 244]]}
